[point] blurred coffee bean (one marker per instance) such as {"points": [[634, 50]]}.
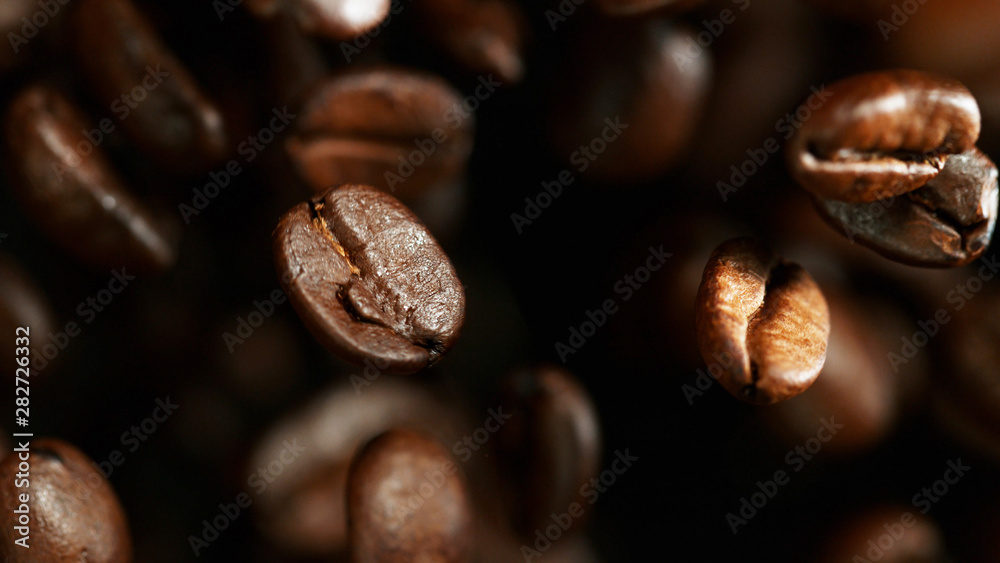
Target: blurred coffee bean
{"points": [[407, 501], [637, 95], [74, 511], [766, 317], [484, 36], [333, 19], [881, 134], [859, 387], [398, 130], [150, 93], [550, 447], [22, 304], [369, 280], [295, 62], [888, 534], [967, 394], [69, 188], [13, 26], [947, 222], [632, 7], [305, 510]]}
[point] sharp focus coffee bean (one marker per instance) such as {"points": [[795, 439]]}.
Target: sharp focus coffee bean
{"points": [[768, 316], [369, 280], [146, 89], [335, 19], [70, 189], [551, 445], [947, 222], [881, 134], [397, 130], [74, 514], [407, 501]]}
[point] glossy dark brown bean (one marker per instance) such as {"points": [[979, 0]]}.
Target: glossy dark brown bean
{"points": [[767, 315], [334, 19], [915, 538], [485, 36], [368, 127], [75, 514], [881, 134], [22, 304], [550, 447], [136, 76], [71, 191], [305, 512], [369, 280], [407, 501], [947, 222], [637, 95]]}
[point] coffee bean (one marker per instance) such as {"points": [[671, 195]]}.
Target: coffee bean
{"points": [[147, 90], [550, 447], [407, 501], [335, 19], [74, 513], [369, 280], [768, 316], [304, 512], [631, 7], [638, 94], [12, 28], [888, 534], [881, 134], [947, 222], [69, 188], [485, 36], [22, 304], [400, 131]]}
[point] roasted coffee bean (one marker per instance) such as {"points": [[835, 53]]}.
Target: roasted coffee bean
{"points": [[12, 27], [22, 304], [638, 94], [400, 131], [485, 36], [72, 192], [551, 446], [631, 7], [148, 91], [304, 512], [407, 501], [767, 315], [947, 222], [369, 280], [334, 19], [881, 134], [888, 534], [74, 513]]}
